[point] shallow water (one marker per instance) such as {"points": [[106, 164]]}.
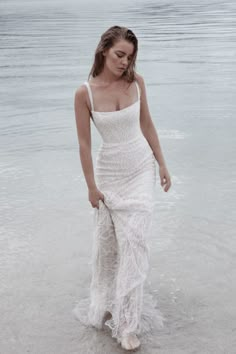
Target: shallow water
{"points": [[187, 56]]}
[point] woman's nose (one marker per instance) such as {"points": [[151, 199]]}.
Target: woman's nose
{"points": [[124, 61]]}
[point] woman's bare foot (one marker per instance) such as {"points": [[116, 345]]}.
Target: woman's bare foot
{"points": [[107, 316], [130, 342]]}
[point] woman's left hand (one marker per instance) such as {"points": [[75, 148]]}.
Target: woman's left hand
{"points": [[165, 178]]}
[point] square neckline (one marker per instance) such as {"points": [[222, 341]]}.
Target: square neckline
{"points": [[119, 110]]}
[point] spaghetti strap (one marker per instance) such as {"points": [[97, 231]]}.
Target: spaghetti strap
{"points": [[90, 94], [138, 89]]}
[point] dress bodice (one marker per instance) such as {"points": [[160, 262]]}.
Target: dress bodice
{"points": [[117, 126]]}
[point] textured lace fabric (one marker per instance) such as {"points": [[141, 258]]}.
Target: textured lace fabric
{"points": [[125, 173]]}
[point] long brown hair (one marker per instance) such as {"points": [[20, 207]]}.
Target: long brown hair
{"points": [[108, 39]]}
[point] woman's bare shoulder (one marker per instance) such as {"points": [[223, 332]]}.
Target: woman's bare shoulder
{"points": [[81, 91], [139, 78], [81, 96]]}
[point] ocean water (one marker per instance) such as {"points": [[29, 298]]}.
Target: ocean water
{"points": [[187, 56]]}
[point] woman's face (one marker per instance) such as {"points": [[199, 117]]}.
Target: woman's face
{"points": [[118, 57]]}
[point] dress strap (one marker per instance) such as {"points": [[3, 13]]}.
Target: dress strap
{"points": [[90, 94], [138, 89]]}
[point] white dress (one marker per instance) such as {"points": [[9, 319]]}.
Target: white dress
{"points": [[125, 173]]}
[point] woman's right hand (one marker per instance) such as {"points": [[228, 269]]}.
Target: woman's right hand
{"points": [[94, 196]]}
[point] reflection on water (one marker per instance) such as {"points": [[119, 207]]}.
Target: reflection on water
{"points": [[187, 56]]}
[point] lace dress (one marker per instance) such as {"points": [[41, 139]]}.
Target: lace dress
{"points": [[125, 173]]}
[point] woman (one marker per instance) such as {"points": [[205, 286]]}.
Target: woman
{"points": [[121, 189]]}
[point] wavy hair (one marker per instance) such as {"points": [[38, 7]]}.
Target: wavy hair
{"points": [[108, 39]]}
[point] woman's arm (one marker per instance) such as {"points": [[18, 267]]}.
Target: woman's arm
{"points": [[82, 116], [147, 126], [150, 133]]}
